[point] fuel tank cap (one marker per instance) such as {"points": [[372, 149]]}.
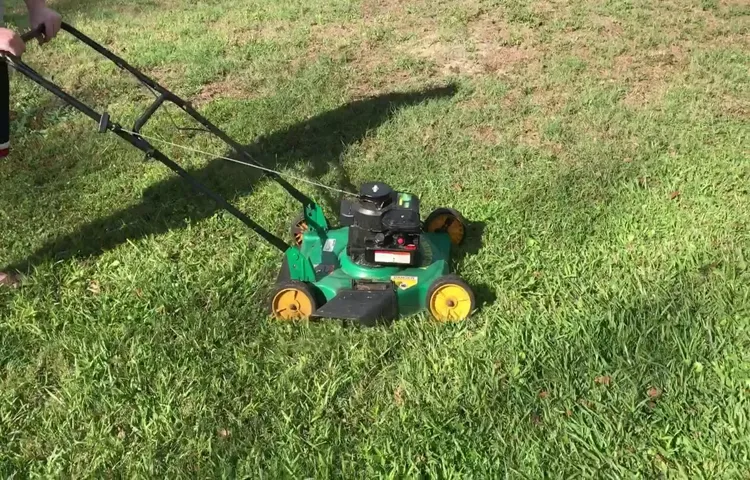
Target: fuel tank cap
{"points": [[375, 191]]}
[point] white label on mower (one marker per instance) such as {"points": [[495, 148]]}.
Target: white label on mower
{"points": [[393, 257], [330, 243]]}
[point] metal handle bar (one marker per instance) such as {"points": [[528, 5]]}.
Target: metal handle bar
{"points": [[142, 144], [182, 104]]}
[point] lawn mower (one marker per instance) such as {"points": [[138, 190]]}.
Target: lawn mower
{"points": [[380, 263]]}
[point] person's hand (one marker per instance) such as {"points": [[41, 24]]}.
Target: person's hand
{"points": [[11, 42], [43, 15]]}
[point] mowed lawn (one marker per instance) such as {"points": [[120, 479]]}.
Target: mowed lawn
{"points": [[602, 148]]}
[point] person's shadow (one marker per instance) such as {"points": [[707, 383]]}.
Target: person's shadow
{"points": [[318, 142]]}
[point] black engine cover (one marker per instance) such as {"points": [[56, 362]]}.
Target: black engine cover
{"points": [[384, 226]]}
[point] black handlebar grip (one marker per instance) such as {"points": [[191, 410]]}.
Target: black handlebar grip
{"points": [[32, 34]]}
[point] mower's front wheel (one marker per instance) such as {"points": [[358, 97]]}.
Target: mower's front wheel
{"points": [[450, 299], [293, 300]]}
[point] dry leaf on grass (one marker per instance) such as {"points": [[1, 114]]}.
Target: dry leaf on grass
{"points": [[398, 396], [536, 419], [94, 287], [654, 392]]}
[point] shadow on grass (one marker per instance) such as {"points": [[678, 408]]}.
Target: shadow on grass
{"points": [[172, 203], [473, 242]]}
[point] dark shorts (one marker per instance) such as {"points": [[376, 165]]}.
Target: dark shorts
{"points": [[4, 110], [4, 97]]}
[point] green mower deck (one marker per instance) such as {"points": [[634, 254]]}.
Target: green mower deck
{"points": [[338, 288]]}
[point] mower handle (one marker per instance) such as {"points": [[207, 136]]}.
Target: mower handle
{"points": [[38, 32], [141, 143]]}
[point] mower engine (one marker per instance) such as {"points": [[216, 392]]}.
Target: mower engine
{"points": [[384, 226]]}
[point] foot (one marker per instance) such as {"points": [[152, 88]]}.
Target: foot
{"points": [[9, 280]]}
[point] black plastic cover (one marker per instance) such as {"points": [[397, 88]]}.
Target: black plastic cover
{"points": [[403, 220], [346, 216], [377, 192], [368, 306]]}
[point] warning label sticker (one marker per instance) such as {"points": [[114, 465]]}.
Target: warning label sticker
{"points": [[404, 282], [329, 245], [393, 257]]}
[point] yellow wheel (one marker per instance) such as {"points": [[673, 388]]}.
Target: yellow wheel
{"points": [[449, 221], [299, 227], [450, 299], [293, 301]]}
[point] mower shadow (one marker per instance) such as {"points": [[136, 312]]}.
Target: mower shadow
{"points": [[473, 241], [484, 294], [319, 141]]}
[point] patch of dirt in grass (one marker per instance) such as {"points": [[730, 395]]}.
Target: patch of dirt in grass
{"points": [[530, 136], [493, 30], [449, 59], [146, 11], [413, 50], [530, 133], [607, 27], [168, 74], [377, 8], [492, 46], [231, 87], [550, 100], [365, 87], [327, 38], [647, 76], [734, 4], [545, 8], [512, 99], [239, 34], [327, 35], [505, 59], [485, 134], [735, 107]]}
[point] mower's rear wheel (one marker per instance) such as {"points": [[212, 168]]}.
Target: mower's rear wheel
{"points": [[450, 299], [448, 221], [298, 228], [293, 300]]}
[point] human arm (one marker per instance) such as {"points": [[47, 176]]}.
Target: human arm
{"points": [[41, 14], [11, 42]]}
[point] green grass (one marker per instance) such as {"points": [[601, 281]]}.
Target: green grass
{"points": [[602, 145]]}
